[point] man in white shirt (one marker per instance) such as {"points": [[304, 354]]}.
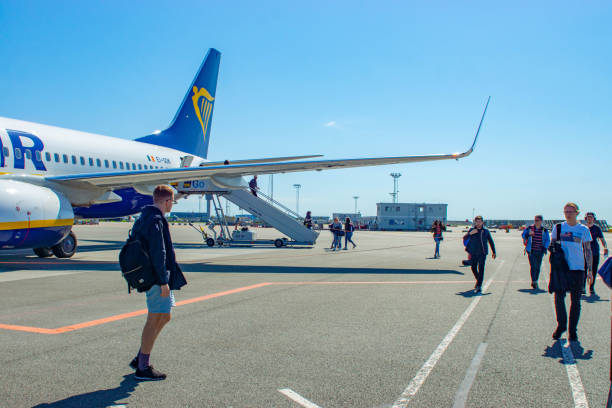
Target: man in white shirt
{"points": [[575, 241]]}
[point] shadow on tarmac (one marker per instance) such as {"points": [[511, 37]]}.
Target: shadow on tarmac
{"points": [[204, 267], [594, 298], [107, 245], [310, 270], [532, 291], [578, 351], [100, 398], [471, 293]]}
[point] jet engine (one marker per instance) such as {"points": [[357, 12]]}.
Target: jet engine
{"points": [[33, 216]]}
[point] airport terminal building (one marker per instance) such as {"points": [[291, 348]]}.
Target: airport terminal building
{"points": [[409, 216]]}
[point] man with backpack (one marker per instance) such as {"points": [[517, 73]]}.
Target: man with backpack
{"points": [[477, 242], [536, 240], [152, 229], [574, 240]]}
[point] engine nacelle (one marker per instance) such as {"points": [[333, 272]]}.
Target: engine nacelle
{"points": [[32, 216]]}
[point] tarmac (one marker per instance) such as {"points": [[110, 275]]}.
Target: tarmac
{"points": [[381, 325]]}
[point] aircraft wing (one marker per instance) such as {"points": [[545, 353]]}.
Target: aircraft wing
{"points": [[130, 178], [265, 160]]}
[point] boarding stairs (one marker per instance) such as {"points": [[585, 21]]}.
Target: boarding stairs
{"points": [[273, 213], [264, 207]]}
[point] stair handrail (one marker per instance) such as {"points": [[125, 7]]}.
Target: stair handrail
{"points": [[281, 206]]}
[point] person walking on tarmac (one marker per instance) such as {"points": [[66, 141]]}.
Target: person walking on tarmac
{"points": [[437, 229], [536, 241], [596, 234], [153, 229], [574, 239], [348, 230], [478, 241], [336, 228], [308, 220]]}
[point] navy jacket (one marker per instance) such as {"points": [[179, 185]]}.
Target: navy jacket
{"points": [[479, 243], [154, 231]]}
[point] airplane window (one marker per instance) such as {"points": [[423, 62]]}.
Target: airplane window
{"points": [[98, 162], [82, 161], [133, 166], [121, 165], [74, 160], [47, 156], [28, 154], [17, 153], [140, 167], [127, 165], [65, 157], [91, 163], [114, 164], [38, 155], [106, 164], [56, 157], [146, 167], [5, 150]]}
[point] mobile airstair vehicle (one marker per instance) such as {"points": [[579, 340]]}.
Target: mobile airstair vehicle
{"points": [[262, 206]]}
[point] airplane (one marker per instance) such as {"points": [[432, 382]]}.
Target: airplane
{"points": [[50, 175]]}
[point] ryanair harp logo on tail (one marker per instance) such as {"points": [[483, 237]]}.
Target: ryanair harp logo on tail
{"points": [[202, 104]]}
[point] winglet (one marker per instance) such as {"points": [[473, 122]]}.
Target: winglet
{"points": [[479, 125]]}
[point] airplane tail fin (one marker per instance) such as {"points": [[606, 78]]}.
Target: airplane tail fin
{"points": [[190, 128]]}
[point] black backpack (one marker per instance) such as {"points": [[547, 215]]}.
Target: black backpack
{"points": [[559, 270], [135, 262]]}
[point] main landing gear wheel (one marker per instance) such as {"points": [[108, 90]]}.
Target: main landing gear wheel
{"points": [[278, 242], [210, 242], [67, 247], [43, 252]]}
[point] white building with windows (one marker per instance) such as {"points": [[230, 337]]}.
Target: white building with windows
{"points": [[409, 216]]}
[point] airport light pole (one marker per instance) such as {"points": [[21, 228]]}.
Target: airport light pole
{"points": [[395, 176], [297, 198], [355, 198]]}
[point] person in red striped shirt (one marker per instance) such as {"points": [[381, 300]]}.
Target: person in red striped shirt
{"points": [[536, 240]]}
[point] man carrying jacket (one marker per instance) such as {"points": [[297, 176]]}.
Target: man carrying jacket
{"points": [[575, 240], [478, 240], [152, 229], [536, 240]]}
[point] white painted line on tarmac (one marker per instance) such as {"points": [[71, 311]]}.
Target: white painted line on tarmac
{"points": [[580, 400], [292, 395], [24, 275], [429, 365], [470, 376]]}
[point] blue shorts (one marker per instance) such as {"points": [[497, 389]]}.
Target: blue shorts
{"points": [[158, 304]]}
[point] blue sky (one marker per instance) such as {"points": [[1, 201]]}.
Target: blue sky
{"points": [[344, 79]]}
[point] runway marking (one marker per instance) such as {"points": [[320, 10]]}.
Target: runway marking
{"points": [[573, 375], [25, 275], [470, 376], [97, 322], [122, 316], [580, 400], [297, 398], [431, 362]]}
